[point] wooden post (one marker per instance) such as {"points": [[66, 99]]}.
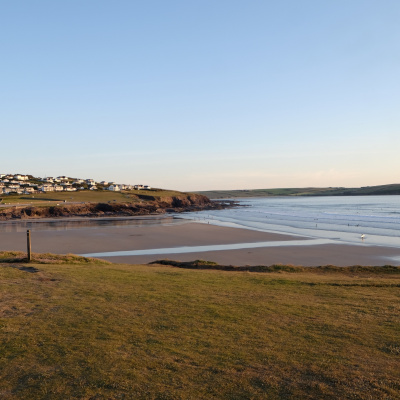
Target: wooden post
{"points": [[28, 242]]}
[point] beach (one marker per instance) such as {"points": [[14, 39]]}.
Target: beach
{"points": [[186, 240]]}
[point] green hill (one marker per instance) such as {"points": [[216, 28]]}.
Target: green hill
{"points": [[392, 189]]}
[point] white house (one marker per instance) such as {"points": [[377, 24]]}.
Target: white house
{"points": [[47, 188], [13, 187], [21, 177], [114, 188]]}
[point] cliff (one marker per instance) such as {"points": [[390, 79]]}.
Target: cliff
{"points": [[146, 205]]}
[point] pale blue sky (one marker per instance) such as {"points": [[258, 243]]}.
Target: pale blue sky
{"points": [[202, 94]]}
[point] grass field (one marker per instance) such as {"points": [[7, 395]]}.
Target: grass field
{"points": [[75, 329], [86, 196]]}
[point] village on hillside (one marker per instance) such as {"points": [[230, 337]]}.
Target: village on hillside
{"points": [[28, 184]]}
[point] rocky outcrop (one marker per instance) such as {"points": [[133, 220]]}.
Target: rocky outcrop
{"points": [[147, 205]]}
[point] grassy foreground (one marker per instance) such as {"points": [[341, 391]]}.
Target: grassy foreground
{"points": [[81, 329]]}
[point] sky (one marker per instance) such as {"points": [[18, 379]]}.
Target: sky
{"points": [[202, 94]]}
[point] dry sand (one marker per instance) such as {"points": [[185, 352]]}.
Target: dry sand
{"points": [[133, 237]]}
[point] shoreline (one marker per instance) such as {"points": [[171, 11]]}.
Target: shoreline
{"points": [[87, 218], [307, 256], [199, 240], [149, 206]]}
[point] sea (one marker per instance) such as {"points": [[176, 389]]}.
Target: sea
{"points": [[375, 220]]}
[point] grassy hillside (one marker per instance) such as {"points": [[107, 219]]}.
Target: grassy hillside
{"points": [[95, 196], [86, 330], [393, 189]]}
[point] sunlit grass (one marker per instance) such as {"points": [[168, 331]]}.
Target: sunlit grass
{"points": [[87, 196], [81, 331]]}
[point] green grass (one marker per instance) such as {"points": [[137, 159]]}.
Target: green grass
{"points": [[107, 331], [87, 196]]}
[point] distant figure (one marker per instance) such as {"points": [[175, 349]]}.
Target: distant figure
{"points": [[362, 237]]}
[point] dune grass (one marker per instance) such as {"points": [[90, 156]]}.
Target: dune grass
{"points": [[104, 331]]}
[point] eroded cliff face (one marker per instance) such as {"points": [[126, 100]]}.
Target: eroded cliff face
{"points": [[147, 205]]}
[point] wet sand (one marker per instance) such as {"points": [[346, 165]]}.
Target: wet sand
{"points": [[308, 255], [134, 237]]}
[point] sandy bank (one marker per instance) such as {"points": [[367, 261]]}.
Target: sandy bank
{"points": [[174, 234], [308, 255], [130, 237]]}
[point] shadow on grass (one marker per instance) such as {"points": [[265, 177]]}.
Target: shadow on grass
{"points": [[32, 270], [201, 264]]}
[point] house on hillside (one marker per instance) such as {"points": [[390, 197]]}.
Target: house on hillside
{"points": [[21, 177], [114, 188], [13, 187], [46, 188]]}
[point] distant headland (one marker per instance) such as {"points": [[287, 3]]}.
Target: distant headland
{"points": [[392, 189], [26, 197]]}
